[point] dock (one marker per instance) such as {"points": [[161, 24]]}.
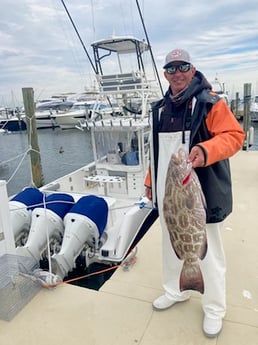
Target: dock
{"points": [[121, 313]]}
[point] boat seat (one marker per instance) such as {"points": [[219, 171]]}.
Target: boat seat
{"points": [[123, 82]]}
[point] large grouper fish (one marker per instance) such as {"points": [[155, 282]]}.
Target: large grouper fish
{"points": [[185, 216]]}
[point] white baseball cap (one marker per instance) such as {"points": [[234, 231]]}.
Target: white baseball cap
{"points": [[177, 55]]}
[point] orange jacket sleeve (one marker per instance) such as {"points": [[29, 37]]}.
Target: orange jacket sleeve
{"points": [[147, 180], [227, 134]]}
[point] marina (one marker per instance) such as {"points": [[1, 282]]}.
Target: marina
{"points": [[80, 243], [133, 287], [122, 309]]}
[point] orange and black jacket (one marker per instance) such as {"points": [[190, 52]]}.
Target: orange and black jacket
{"points": [[214, 128]]}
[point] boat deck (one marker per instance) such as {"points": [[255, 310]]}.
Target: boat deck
{"points": [[121, 311]]}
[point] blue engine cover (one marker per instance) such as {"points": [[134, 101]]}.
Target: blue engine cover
{"points": [[93, 207], [59, 203], [31, 197]]}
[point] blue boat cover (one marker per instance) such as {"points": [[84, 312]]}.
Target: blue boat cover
{"points": [[93, 207], [30, 197], [59, 203]]}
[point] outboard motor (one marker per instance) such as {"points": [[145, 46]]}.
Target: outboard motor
{"points": [[46, 222], [21, 206], [84, 223]]}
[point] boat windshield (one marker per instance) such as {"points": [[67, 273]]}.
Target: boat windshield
{"points": [[79, 106], [121, 145]]}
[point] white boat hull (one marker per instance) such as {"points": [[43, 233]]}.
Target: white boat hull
{"points": [[68, 121], [44, 120]]}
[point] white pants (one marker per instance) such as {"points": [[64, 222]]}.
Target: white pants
{"points": [[213, 265], [213, 268]]}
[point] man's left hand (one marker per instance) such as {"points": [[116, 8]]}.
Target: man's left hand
{"points": [[196, 157]]}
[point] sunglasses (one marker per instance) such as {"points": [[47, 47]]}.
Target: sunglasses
{"points": [[181, 68]]}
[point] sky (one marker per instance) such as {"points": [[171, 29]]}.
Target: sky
{"points": [[39, 47]]}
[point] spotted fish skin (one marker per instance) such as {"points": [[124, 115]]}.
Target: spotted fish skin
{"points": [[185, 216]]}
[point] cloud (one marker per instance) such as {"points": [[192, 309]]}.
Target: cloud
{"points": [[39, 47]]}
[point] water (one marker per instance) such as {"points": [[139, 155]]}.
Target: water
{"points": [[61, 151]]}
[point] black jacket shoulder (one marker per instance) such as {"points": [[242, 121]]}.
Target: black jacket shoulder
{"points": [[208, 96]]}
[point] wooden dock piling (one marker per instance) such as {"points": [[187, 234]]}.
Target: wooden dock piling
{"points": [[246, 117], [29, 106]]}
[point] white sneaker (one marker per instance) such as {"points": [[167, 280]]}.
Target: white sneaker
{"points": [[212, 327], [163, 302]]}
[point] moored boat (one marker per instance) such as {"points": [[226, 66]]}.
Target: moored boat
{"points": [[219, 88], [45, 110], [12, 121], [97, 213], [254, 109], [69, 119]]}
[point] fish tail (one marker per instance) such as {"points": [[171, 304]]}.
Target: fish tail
{"points": [[191, 278]]}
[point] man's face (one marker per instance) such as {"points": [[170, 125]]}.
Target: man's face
{"points": [[180, 79]]}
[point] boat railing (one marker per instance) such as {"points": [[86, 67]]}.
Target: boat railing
{"points": [[122, 83], [89, 169]]}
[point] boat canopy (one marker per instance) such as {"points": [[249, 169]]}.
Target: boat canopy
{"points": [[121, 44]]}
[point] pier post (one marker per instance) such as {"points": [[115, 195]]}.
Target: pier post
{"points": [[246, 118], [36, 168]]}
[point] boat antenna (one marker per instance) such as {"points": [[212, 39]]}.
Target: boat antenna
{"points": [[148, 41], [84, 48]]}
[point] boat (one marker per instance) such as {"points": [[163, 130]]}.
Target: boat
{"points": [[98, 213], [89, 110], [45, 110], [254, 109], [81, 106], [219, 88], [252, 106], [69, 119], [12, 120]]}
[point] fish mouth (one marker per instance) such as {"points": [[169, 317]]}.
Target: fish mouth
{"points": [[187, 179]]}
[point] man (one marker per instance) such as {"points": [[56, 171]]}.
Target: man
{"points": [[194, 118]]}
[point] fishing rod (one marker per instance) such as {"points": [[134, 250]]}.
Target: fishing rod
{"points": [[148, 41], [84, 48]]}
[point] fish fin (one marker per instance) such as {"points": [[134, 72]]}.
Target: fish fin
{"points": [[191, 278], [204, 249], [203, 200]]}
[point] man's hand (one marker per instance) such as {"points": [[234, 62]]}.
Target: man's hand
{"points": [[196, 157], [148, 193]]}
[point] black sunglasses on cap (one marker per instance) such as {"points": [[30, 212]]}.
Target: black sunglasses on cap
{"points": [[181, 68]]}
